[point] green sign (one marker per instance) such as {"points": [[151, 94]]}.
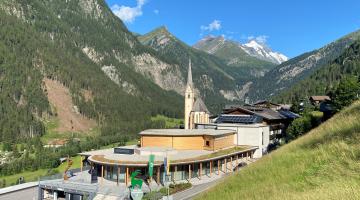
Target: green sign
{"points": [[151, 164]]}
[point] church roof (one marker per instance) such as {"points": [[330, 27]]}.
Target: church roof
{"points": [[199, 106]]}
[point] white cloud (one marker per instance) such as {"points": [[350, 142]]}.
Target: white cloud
{"points": [[251, 37], [128, 14], [213, 26], [260, 38], [156, 11]]}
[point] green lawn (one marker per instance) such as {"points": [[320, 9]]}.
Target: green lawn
{"points": [[324, 164], [51, 133], [34, 175], [29, 176]]}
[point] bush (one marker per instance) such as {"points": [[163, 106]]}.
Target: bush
{"points": [[302, 125]]}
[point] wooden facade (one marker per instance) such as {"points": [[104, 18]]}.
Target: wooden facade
{"points": [[205, 142]]}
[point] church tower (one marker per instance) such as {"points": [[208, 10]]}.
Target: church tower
{"points": [[189, 98]]}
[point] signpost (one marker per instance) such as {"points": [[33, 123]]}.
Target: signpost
{"points": [[167, 174], [151, 165]]}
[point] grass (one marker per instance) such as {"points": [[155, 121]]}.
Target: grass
{"points": [[28, 175], [324, 164], [51, 133], [169, 122], [34, 175]]}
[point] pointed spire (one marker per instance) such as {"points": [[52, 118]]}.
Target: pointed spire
{"points": [[189, 80]]}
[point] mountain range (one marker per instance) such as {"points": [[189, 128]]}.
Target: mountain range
{"points": [[119, 79], [216, 79], [282, 77], [110, 76], [220, 46]]}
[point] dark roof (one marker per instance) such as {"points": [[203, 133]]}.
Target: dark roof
{"points": [[265, 102], [227, 107], [199, 106], [242, 119], [265, 113], [288, 114]]}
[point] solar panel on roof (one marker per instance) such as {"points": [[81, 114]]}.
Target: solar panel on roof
{"points": [[288, 114], [242, 119]]}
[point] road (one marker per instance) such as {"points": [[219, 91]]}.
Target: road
{"points": [[26, 194], [195, 190]]}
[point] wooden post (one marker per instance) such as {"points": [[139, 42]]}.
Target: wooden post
{"points": [[231, 160], [189, 172], [158, 175], [111, 170], [117, 175], [127, 176], [200, 170], [225, 165], [81, 163], [175, 170], [210, 168], [102, 173], [218, 167], [237, 162]]}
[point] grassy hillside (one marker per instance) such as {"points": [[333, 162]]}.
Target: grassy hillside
{"points": [[323, 164]]}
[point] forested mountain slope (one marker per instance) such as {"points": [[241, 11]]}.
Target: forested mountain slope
{"points": [[210, 73], [83, 46], [296, 69], [217, 80], [323, 164], [325, 80]]}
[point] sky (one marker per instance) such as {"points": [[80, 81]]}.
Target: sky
{"points": [[291, 27]]}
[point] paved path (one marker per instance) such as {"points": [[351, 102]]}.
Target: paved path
{"points": [[196, 189], [201, 186], [26, 194]]}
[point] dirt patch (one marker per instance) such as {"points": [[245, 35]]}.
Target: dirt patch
{"points": [[69, 120], [87, 94]]}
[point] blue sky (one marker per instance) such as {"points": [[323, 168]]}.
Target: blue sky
{"points": [[291, 27]]}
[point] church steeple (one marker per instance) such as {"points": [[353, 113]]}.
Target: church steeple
{"points": [[189, 78], [189, 98]]}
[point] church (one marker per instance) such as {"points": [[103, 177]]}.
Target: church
{"points": [[195, 108]]}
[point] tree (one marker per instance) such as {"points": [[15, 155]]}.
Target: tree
{"points": [[347, 91], [298, 127]]}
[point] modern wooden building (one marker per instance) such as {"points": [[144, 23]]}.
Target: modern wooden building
{"points": [[193, 153], [189, 139]]}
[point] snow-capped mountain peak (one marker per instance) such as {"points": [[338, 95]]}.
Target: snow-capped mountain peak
{"points": [[263, 52], [254, 44]]}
